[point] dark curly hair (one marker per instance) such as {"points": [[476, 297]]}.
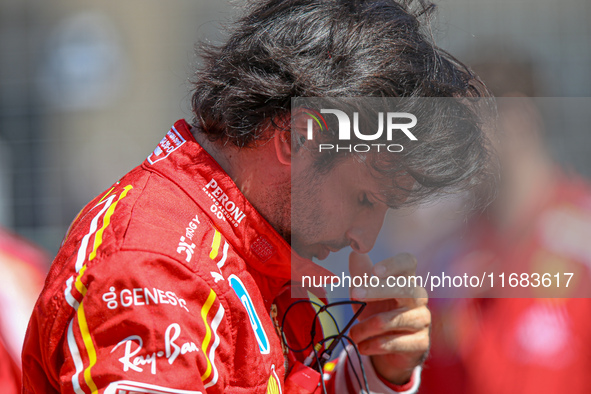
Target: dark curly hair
{"points": [[342, 48]]}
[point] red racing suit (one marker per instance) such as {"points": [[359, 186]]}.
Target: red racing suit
{"points": [[171, 282]]}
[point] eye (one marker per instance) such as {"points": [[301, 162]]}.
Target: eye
{"points": [[365, 201]]}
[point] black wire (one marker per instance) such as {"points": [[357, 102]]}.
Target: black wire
{"points": [[321, 372], [334, 320], [312, 330], [350, 361], [343, 337], [321, 308], [360, 361], [336, 339], [347, 352], [328, 352]]}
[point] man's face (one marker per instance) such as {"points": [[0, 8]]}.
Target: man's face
{"points": [[334, 210]]}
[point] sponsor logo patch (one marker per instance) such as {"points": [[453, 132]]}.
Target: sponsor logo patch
{"points": [[140, 296], [255, 322], [185, 247], [262, 248], [223, 208], [134, 344], [171, 142], [273, 385], [131, 387], [191, 227]]}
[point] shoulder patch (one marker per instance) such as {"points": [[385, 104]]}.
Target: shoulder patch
{"points": [[171, 142]]}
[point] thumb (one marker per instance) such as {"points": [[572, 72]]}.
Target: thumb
{"points": [[359, 264]]}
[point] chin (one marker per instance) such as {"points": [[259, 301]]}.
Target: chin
{"points": [[315, 251], [303, 252]]}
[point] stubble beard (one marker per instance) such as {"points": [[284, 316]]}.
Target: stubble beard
{"points": [[306, 217]]}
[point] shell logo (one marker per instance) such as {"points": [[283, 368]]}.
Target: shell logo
{"points": [[273, 385]]}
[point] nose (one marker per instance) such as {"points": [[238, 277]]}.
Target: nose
{"points": [[363, 233]]}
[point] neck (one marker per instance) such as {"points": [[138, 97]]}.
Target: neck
{"points": [[222, 154]]}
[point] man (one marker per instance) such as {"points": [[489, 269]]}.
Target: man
{"points": [[176, 278]]}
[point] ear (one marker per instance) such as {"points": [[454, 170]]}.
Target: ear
{"points": [[282, 141], [289, 142]]}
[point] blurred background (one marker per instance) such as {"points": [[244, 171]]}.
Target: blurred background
{"points": [[87, 89]]}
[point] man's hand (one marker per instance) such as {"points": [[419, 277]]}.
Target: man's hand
{"points": [[394, 327]]}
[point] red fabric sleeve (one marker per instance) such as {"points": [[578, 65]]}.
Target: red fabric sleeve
{"points": [[134, 322]]}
